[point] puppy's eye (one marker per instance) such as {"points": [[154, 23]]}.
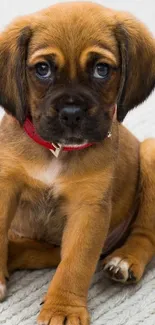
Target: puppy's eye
{"points": [[43, 70], [101, 71]]}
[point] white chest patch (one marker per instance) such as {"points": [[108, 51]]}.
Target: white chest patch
{"points": [[49, 173]]}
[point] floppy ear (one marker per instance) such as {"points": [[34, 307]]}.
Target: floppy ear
{"points": [[13, 85], [137, 52]]}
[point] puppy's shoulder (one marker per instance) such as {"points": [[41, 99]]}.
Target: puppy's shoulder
{"points": [[14, 139], [16, 148]]}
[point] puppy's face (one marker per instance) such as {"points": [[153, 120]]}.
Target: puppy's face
{"points": [[73, 72], [70, 64]]}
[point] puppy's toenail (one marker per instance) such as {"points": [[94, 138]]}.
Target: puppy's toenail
{"points": [[117, 270]]}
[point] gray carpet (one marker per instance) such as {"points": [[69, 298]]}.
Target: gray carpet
{"points": [[109, 303]]}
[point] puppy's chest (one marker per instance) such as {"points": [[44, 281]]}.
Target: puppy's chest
{"points": [[40, 214], [47, 174]]}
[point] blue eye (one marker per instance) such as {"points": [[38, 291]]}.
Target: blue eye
{"points": [[43, 70], [101, 71]]}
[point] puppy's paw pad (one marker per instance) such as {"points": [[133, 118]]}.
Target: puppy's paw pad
{"points": [[121, 270], [2, 291]]}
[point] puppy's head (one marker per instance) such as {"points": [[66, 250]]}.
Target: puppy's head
{"points": [[69, 65]]}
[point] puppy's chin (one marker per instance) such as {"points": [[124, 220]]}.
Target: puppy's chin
{"points": [[62, 138], [74, 140]]}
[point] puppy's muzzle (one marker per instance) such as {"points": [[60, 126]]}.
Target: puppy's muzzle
{"points": [[71, 116]]}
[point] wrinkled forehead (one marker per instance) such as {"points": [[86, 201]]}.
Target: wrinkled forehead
{"points": [[74, 35]]}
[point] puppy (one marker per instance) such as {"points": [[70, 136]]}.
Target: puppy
{"points": [[71, 175]]}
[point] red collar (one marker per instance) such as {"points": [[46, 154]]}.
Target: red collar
{"points": [[54, 148]]}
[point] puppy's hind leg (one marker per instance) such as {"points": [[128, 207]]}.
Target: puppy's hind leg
{"points": [[127, 264], [25, 253]]}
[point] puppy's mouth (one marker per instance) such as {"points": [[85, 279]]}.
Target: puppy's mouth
{"points": [[63, 137], [73, 141], [63, 130], [73, 123], [89, 130]]}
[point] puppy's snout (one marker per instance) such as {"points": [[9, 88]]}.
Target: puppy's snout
{"points": [[71, 115]]}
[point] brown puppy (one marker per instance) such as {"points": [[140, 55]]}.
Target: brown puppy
{"points": [[66, 68]]}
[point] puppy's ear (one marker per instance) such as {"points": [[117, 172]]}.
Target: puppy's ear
{"points": [[13, 84], [137, 52]]}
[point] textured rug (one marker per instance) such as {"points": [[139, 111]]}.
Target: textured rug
{"points": [[109, 303]]}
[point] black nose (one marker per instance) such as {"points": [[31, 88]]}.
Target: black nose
{"points": [[71, 115]]}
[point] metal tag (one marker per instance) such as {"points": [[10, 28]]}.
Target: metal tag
{"points": [[57, 149], [109, 134]]}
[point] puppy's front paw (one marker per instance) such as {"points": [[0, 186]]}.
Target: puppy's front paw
{"points": [[53, 313], [123, 268]]}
